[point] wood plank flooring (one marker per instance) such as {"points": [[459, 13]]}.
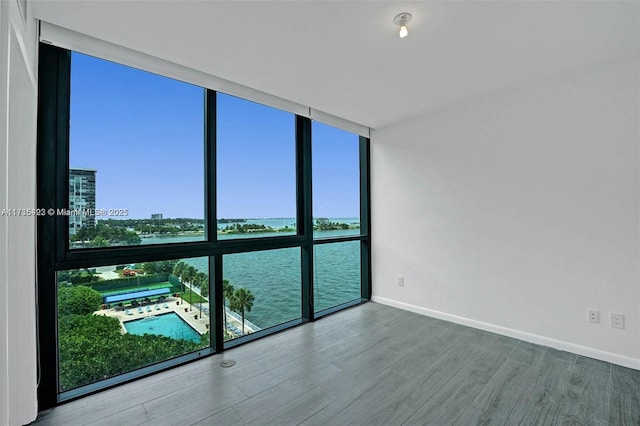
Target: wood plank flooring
{"points": [[373, 365]]}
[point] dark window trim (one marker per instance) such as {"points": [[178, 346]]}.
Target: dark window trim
{"points": [[365, 217], [54, 253], [53, 69], [130, 376], [303, 137]]}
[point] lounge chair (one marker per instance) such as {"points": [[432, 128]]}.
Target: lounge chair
{"points": [[157, 307], [128, 312], [165, 306], [140, 309], [148, 308]]}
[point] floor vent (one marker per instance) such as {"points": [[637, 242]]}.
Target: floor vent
{"points": [[226, 363]]}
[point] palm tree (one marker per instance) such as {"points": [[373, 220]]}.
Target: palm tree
{"points": [[227, 293], [189, 275], [242, 301], [202, 281], [178, 271]]}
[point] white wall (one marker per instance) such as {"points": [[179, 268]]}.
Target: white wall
{"points": [[18, 96], [518, 211]]}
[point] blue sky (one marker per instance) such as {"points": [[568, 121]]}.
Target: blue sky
{"points": [[144, 134]]}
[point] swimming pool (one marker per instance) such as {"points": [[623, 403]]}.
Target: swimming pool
{"points": [[170, 325]]}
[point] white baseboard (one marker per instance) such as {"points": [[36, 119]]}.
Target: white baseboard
{"points": [[517, 334]]}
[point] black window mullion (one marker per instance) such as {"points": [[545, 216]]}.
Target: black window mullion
{"points": [[330, 240], [365, 218], [133, 254], [305, 211], [217, 308], [365, 179], [53, 101], [211, 219], [307, 282], [63, 114]]}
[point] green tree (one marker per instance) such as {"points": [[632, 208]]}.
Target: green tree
{"points": [[166, 266], [100, 241], [78, 276], [323, 224], [178, 272], [159, 267], [128, 238], [189, 276], [78, 300], [92, 348], [203, 283], [150, 268], [227, 294], [242, 301], [86, 233], [107, 233]]}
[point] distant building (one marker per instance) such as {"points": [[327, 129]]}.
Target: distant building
{"points": [[82, 197], [156, 216]]}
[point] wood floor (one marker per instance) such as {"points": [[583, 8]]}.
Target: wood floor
{"points": [[373, 365]]}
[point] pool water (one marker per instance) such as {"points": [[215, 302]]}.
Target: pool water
{"points": [[169, 325]]}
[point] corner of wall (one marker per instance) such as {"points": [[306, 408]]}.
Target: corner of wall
{"points": [[518, 212], [18, 97]]}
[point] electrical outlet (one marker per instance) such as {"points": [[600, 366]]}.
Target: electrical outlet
{"points": [[400, 281], [594, 316], [617, 320]]}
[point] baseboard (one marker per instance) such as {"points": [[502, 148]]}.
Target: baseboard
{"points": [[517, 334]]}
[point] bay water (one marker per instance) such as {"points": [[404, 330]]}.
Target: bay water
{"points": [[274, 276]]}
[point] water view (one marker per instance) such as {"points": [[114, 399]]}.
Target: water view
{"points": [[162, 308], [274, 275], [124, 315]]}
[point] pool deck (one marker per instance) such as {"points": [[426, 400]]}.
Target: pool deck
{"points": [[183, 309]]}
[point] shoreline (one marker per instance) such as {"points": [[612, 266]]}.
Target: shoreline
{"points": [[235, 232]]}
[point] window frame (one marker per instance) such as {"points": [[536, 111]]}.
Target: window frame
{"points": [[55, 255]]}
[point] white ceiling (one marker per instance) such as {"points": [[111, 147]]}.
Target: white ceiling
{"points": [[346, 58]]}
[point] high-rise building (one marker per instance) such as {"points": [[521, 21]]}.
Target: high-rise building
{"points": [[82, 199], [156, 216]]}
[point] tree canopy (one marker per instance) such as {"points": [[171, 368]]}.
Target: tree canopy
{"points": [[242, 301], [78, 300], [92, 348], [104, 234], [160, 267]]}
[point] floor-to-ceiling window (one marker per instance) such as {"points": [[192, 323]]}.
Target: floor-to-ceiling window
{"points": [[181, 221], [336, 212]]}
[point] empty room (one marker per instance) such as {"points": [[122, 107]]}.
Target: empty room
{"points": [[319, 212]]}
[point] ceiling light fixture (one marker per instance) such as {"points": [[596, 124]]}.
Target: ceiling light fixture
{"points": [[403, 19]]}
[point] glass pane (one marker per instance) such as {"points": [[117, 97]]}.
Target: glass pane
{"points": [[336, 181], [136, 156], [261, 289], [256, 170], [115, 319], [336, 274]]}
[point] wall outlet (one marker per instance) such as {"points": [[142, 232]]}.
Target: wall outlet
{"points": [[594, 316], [617, 320], [400, 281]]}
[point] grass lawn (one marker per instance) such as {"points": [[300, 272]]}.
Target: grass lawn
{"points": [[195, 297]]}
